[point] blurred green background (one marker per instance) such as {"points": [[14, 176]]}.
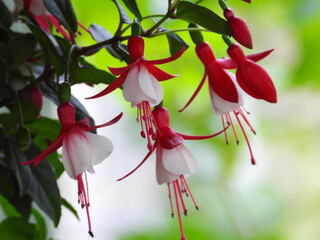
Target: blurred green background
{"points": [[279, 198]]}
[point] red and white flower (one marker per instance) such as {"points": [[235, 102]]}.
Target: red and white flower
{"points": [[226, 93], [174, 162], [81, 150], [140, 83]]}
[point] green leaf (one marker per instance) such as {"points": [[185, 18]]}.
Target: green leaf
{"points": [[41, 226], [47, 47], [176, 43], [8, 208], [91, 75], [123, 14], [69, 207], [44, 189], [63, 11], [21, 49], [6, 17], [133, 7], [15, 228], [22, 173], [202, 16], [7, 182], [45, 127]]}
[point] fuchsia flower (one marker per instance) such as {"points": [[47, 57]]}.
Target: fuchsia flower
{"points": [[140, 83], [174, 162], [239, 29], [226, 94], [252, 78], [81, 150]]}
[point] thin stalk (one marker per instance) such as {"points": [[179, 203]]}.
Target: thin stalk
{"points": [[19, 110], [73, 47], [178, 30]]}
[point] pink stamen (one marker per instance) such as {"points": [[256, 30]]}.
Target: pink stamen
{"points": [[169, 190], [225, 132], [83, 199], [87, 185], [245, 110], [183, 188], [84, 28], [185, 183], [246, 120], [233, 129], [185, 211], [178, 211], [253, 162]]}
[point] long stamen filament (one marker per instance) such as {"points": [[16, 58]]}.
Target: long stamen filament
{"points": [[185, 183], [171, 206], [185, 211], [178, 210], [233, 129]]}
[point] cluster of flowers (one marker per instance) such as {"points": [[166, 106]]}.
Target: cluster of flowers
{"points": [[81, 150]]}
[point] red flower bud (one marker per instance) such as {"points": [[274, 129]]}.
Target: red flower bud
{"points": [[239, 29], [252, 78], [36, 97]]}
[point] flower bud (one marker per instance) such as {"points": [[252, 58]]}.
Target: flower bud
{"points": [[23, 138], [36, 97], [239, 29], [64, 92], [236, 53], [135, 28]]}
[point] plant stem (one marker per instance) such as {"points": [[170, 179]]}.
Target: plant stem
{"points": [[73, 47], [178, 30]]}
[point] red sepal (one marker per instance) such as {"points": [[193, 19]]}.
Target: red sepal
{"points": [[188, 137], [169, 59], [142, 162], [158, 73], [169, 138], [113, 86], [53, 147], [58, 27], [111, 122]]}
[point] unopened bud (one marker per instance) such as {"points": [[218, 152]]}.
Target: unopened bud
{"points": [[64, 92], [36, 97], [23, 138], [196, 36], [135, 28]]}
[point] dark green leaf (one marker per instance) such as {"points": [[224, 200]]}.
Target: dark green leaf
{"points": [[63, 11], [64, 45], [91, 75], [21, 49], [47, 46], [176, 43], [7, 182], [133, 7], [203, 17], [44, 189], [8, 208], [45, 127], [41, 226], [15, 228], [29, 111], [6, 17], [69, 206], [123, 14], [22, 173]]}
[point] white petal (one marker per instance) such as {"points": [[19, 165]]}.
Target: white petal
{"points": [[179, 160], [67, 163], [162, 175], [131, 88], [101, 147], [82, 150], [150, 86], [221, 106]]}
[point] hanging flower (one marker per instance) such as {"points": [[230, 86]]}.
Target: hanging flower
{"points": [[140, 83], [225, 93], [81, 150], [40, 14], [174, 162], [252, 78], [239, 29]]}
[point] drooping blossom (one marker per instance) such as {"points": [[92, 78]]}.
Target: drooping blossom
{"points": [[252, 78], [81, 150], [140, 85], [225, 93], [174, 162], [40, 14], [239, 29]]}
